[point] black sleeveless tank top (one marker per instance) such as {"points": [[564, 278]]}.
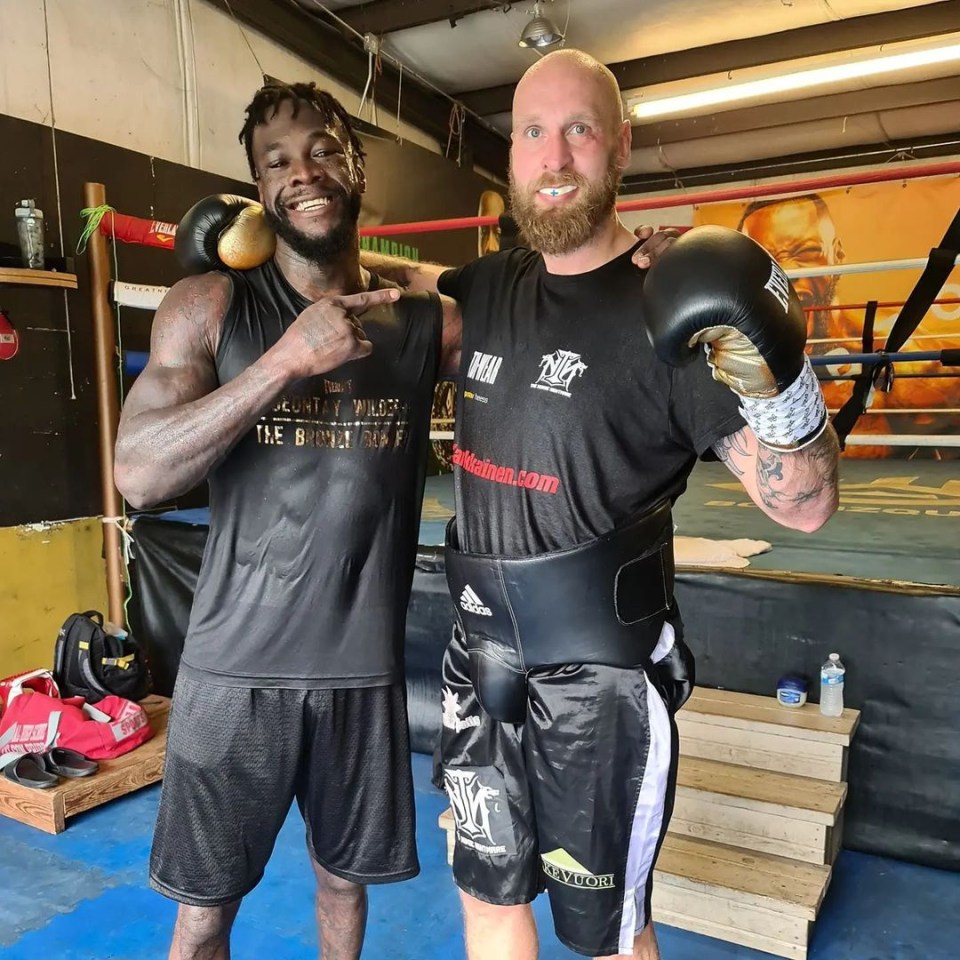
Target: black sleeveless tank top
{"points": [[314, 514]]}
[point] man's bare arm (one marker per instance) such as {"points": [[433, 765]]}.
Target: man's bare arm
{"points": [[422, 278], [799, 490], [410, 274], [451, 338], [416, 275], [176, 422]]}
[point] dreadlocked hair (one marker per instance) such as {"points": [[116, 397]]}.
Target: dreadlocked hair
{"points": [[268, 99]]}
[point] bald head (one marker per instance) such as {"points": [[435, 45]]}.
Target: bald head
{"points": [[568, 149], [571, 69]]}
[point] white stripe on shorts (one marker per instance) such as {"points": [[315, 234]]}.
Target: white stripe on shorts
{"points": [[648, 817]]}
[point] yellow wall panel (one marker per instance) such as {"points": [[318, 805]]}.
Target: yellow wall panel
{"points": [[47, 572]]}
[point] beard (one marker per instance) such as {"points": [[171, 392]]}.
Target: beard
{"points": [[557, 231], [326, 247], [820, 322], [818, 291]]}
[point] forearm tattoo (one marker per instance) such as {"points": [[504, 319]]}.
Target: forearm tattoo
{"points": [[730, 447], [785, 481], [788, 480]]}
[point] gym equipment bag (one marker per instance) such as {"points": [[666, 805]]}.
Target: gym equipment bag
{"points": [[88, 662]]}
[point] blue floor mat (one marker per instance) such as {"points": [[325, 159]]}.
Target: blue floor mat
{"points": [[83, 895]]}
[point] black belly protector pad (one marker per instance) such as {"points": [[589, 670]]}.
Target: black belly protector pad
{"points": [[602, 602]]}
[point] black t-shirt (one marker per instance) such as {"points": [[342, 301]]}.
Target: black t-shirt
{"points": [[315, 513], [568, 423]]}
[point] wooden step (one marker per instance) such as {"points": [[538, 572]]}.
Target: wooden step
{"points": [[757, 900], [759, 832], [782, 793], [718, 918], [755, 879], [758, 732], [757, 810]]}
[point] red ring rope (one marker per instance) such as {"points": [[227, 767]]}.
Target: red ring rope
{"points": [[862, 306], [795, 186]]}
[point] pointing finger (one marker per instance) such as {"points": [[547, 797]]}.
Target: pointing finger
{"points": [[357, 303]]}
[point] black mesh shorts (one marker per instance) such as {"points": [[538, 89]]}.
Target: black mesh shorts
{"points": [[237, 757], [576, 800]]}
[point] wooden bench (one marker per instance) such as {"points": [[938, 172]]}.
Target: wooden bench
{"points": [[48, 810], [754, 899], [754, 731], [759, 810]]}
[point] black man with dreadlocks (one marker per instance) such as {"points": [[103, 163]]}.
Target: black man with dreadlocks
{"points": [[301, 391]]}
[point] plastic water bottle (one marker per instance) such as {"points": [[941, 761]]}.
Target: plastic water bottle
{"points": [[30, 233], [831, 686]]}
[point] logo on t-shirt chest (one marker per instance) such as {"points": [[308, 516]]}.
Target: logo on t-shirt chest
{"points": [[329, 416], [483, 369], [558, 371]]}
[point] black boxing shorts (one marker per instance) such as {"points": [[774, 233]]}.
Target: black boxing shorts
{"points": [[576, 799]]}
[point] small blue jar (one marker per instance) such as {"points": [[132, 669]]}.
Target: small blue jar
{"points": [[792, 691]]}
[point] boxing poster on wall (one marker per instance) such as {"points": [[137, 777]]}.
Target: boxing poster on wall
{"points": [[868, 223]]}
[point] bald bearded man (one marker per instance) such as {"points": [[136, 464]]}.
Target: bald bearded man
{"points": [[574, 439]]}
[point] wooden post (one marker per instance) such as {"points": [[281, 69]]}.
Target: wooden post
{"points": [[108, 407]]}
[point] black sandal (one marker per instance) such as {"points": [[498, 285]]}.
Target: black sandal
{"points": [[68, 763], [30, 771]]}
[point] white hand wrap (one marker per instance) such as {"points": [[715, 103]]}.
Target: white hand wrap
{"points": [[792, 419]]}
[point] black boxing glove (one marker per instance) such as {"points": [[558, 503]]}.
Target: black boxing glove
{"points": [[223, 230], [717, 287]]}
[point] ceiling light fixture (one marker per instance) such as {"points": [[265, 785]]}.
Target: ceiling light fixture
{"points": [[540, 32], [685, 103]]}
